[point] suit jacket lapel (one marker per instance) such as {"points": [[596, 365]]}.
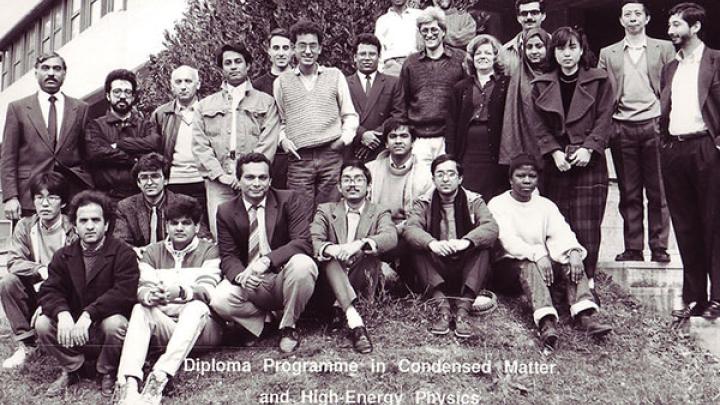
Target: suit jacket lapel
{"points": [[705, 75], [143, 218], [76, 268], [618, 65], [35, 114], [358, 94], [550, 100], [340, 222], [366, 220], [68, 117], [271, 215], [653, 64], [100, 265], [375, 91], [243, 225], [582, 100]]}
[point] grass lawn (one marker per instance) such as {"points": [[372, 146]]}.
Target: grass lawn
{"points": [[642, 361]]}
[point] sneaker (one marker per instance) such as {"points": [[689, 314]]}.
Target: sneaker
{"points": [[548, 332], [126, 393], [19, 357], [463, 328], [441, 325], [153, 389], [592, 326], [289, 340]]}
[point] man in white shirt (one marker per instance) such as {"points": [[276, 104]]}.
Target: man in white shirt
{"points": [[398, 33], [690, 158]]}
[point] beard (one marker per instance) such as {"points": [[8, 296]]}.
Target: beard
{"points": [[121, 107]]}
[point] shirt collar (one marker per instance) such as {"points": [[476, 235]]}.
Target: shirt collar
{"points": [[627, 44], [178, 108], [159, 203], [362, 76], [54, 226], [44, 96], [320, 69], [447, 52], [405, 12], [347, 207], [248, 204], [189, 248], [85, 248], [694, 56], [113, 118]]}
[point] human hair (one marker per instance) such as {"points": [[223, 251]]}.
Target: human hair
{"points": [[184, 208], [252, 157], [303, 27], [53, 182], [475, 43], [521, 160], [120, 74], [151, 162], [49, 55], [194, 71], [518, 3], [446, 157], [393, 123], [561, 37], [431, 14], [88, 197], [278, 32], [357, 164], [690, 12], [367, 39], [644, 3], [238, 47]]}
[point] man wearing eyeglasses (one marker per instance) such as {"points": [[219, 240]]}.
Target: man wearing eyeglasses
{"points": [[530, 14], [318, 119], [140, 218], [347, 238], [115, 141], [451, 232]]}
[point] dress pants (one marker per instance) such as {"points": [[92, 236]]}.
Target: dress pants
{"points": [[193, 328], [637, 162], [289, 290], [106, 337], [345, 282], [691, 174], [315, 175], [465, 272], [19, 302]]}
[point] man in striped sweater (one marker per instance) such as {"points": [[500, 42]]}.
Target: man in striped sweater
{"points": [[177, 276], [318, 119]]}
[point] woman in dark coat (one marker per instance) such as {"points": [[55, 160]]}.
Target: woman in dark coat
{"points": [[475, 118], [573, 107]]}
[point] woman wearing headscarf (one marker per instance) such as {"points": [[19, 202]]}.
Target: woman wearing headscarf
{"points": [[517, 137], [573, 111], [475, 119]]}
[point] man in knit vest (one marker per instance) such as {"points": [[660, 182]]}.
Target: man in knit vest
{"points": [[427, 79], [317, 115], [177, 276], [635, 64], [34, 241]]}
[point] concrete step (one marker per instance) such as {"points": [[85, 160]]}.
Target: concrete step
{"points": [[707, 334]]}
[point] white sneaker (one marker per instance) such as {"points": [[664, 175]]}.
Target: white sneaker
{"points": [[19, 357], [153, 389], [126, 393]]}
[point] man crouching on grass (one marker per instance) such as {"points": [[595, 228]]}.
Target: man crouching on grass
{"points": [[538, 248], [177, 276]]}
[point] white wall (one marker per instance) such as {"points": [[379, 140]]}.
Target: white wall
{"points": [[121, 39]]}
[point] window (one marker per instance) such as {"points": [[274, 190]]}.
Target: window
{"points": [[75, 17], [96, 11], [46, 34], [58, 27], [31, 42], [18, 54], [6, 70]]}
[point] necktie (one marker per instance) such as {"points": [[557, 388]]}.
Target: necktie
{"points": [[52, 122], [368, 85], [254, 239], [153, 225]]}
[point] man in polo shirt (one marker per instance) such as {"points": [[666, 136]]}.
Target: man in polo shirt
{"points": [[398, 34], [318, 118]]}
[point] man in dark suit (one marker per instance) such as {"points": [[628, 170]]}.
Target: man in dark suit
{"points": [[87, 296], [634, 63], [690, 156], [264, 242], [376, 97], [348, 237], [43, 132]]}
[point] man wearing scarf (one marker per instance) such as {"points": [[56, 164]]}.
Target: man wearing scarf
{"points": [[451, 232]]}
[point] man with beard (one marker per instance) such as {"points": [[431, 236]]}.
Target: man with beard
{"points": [[376, 97], [461, 26], [229, 124], [530, 14], [427, 79], [141, 218], [635, 64], [43, 132], [116, 140], [690, 157], [398, 34]]}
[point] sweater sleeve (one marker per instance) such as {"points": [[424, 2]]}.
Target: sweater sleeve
{"points": [[512, 243], [561, 239]]}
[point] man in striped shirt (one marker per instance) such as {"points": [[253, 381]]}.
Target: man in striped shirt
{"points": [[177, 276]]}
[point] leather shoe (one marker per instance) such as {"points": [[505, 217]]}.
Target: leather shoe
{"points": [[441, 325], [289, 340], [361, 340], [463, 328], [688, 311], [65, 380], [337, 321], [107, 385], [712, 311], [630, 256], [593, 327], [660, 256], [548, 332]]}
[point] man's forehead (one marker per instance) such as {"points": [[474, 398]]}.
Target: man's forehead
{"points": [[120, 84], [529, 6], [255, 168], [52, 61], [401, 130], [279, 40], [231, 55], [447, 165]]}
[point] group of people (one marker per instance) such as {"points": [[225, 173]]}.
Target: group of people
{"points": [[239, 209]]}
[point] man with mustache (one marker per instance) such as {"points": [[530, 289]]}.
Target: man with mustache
{"points": [[115, 141], [530, 14], [690, 158], [228, 124], [635, 63], [43, 132]]}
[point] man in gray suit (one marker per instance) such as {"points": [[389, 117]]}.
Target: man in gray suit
{"points": [[43, 132], [635, 64]]}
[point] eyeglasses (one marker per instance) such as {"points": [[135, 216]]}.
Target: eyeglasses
{"points": [[533, 13], [120, 92], [353, 180], [52, 198], [303, 46], [449, 175], [431, 30], [151, 176]]}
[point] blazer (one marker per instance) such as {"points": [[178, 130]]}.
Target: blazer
{"points": [[708, 92], [330, 227], [384, 101], [461, 112], [132, 221], [658, 53], [287, 227], [108, 289], [589, 119], [27, 149]]}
